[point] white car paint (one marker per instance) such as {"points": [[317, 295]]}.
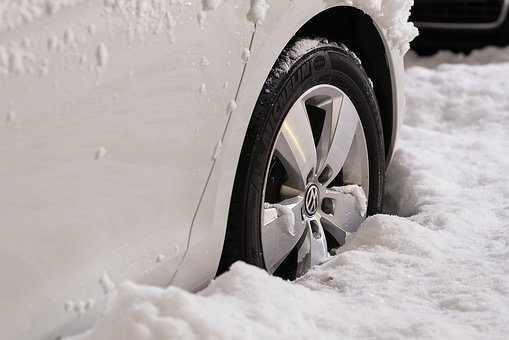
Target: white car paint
{"points": [[67, 215], [110, 164]]}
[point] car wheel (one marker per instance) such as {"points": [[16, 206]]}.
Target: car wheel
{"points": [[312, 162]]}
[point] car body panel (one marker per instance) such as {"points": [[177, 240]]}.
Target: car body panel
{"points": [[122, 163], [282, 22], [105, 154]]}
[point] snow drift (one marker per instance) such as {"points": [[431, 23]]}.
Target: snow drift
{"points": [[439, 272]]}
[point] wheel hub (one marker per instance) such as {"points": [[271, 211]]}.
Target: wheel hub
{"points": [[312, 199]]}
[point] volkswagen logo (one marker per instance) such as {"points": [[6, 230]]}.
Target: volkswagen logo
{"points": [[311, 200]]}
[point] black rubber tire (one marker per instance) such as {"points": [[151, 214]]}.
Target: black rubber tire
{"points": [[327, 63]]}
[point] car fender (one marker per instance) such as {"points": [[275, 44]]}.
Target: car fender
{"points": [[283, 20]]}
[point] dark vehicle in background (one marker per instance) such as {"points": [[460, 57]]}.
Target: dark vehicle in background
{"points": [[459, 25]]}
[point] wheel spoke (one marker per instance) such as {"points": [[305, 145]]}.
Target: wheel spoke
{"points": [[356, 167], [295, 146], [341, 125], [304, 254], [287, 191], [345, 214], [313, 250], [282, 229], [318, 243]]}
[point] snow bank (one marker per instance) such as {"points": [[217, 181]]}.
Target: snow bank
{"points": [[439, 273], [486, 55]]}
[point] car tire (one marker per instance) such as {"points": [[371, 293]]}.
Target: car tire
{"points": [[312, 163]]}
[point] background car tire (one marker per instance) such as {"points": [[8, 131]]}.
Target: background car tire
{"points": [[271, 184]]}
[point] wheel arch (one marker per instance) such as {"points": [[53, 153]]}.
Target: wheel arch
{"points": [[283, 23]]}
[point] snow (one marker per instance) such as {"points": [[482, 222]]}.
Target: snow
{"points": [[202, 15], [142, 17], [11, 116], [202, 89], [361, 202], [439, 270], [281, 210], [209, 5], [16, 60], [106, 283], [100, 153], [91, 29], [489, 54], [69, 37], [217, 150], [69, 305], [246, 54], [298, 49], [258, 11], [232, 106], [171, 23], [53, 43], [392, 17], [44, 67], [204, 62], [82, 59], [102, 55], [26, 42], [18, 12], [160, 258], [79, 307]]}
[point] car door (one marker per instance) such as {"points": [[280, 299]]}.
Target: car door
{"points": [[112, 116]]}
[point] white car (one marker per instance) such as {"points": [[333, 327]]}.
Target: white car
{"points": [[160, 141]]}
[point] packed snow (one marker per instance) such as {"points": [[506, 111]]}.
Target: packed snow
{"points": [[440, 270]]}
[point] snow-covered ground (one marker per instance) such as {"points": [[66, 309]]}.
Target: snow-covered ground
{"points": [[441, 270]]}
